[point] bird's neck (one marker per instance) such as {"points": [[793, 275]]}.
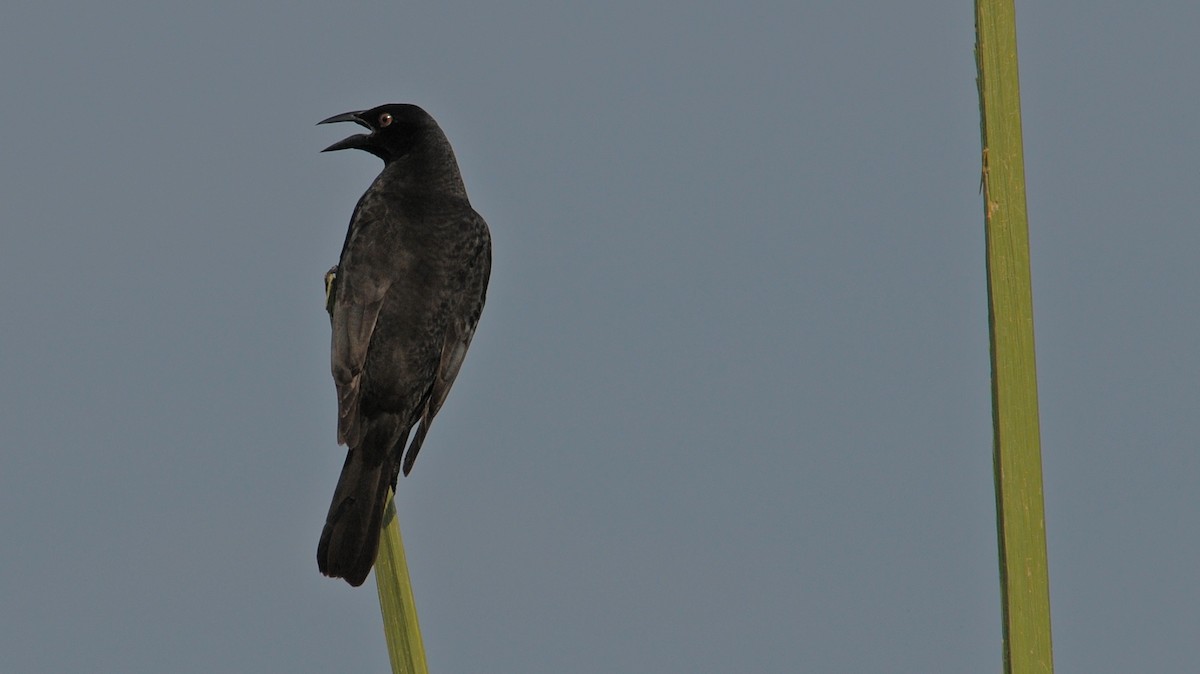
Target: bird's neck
{"points": [[429, 167]]}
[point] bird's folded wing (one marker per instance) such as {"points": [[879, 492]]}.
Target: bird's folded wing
{"points": [[457, 339], [355, 314]]}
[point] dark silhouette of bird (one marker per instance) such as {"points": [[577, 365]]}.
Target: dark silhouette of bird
{"points": [[403, 300]]}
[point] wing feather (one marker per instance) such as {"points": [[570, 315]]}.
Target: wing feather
{"points": [[459, 333], [359, 291]]}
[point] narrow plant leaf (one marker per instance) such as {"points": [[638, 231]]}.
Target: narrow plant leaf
{"points": [[396, 601], [1020, 519]]}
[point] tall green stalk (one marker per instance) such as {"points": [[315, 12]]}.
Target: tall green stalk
{"points": [[396, 601], [1020, 518]]}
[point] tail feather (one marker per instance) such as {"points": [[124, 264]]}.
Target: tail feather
{"points": [[411, 455], [350, 539]]}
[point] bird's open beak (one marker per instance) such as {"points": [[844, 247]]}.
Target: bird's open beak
{"points": [[357, 141]]}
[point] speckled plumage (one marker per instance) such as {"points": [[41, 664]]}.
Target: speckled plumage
{"points": [[409, 288]]}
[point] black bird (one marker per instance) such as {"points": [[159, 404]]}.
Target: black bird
{"points": [[404, 300]]}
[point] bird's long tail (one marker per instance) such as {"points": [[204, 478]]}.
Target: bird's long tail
{"points": [[350, 539]]}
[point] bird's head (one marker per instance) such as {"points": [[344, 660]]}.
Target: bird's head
{"points": [[394, 130]]}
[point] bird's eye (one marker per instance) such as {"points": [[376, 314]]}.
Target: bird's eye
{"points": [[385, 119]]}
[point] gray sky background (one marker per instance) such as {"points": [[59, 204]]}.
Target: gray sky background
{"points": [[727, 409]]}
